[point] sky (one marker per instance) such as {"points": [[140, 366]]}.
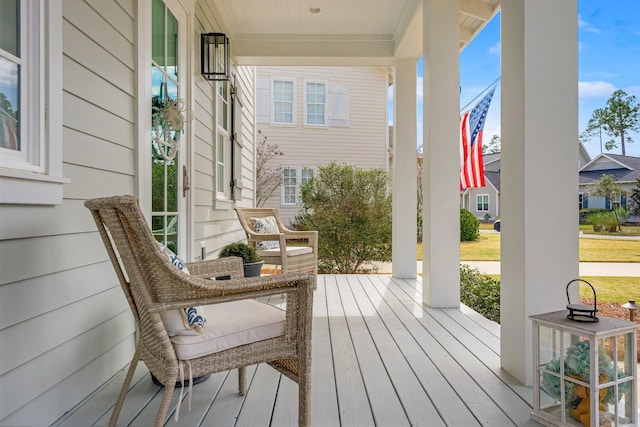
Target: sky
{"points": [[608, 59]]}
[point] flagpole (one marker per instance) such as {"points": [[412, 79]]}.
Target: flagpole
{"points": [[493, 84]]}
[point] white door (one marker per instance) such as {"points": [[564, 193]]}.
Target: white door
{"points": [[169, 133]]}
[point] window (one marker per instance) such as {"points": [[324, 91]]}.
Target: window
{"points": [[616, 202], [223, 149], [482, 203], [30, 90], [283, 92], [315, 103], [580, 201], [292, 178]]}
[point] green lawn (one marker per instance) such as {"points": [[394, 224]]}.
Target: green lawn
{"points": [[612, 289], [608, 289], [487, 248]]}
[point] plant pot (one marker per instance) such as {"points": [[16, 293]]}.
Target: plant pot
{"points": [[196, 380], [253, 269]]}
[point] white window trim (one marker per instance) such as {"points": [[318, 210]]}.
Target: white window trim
{"points": [[225, 195], [42, 182], [272, 106], [326, 103], [298, 170], [488, 203]]}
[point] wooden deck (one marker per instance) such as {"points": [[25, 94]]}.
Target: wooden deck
{"points": [[379, 359]]}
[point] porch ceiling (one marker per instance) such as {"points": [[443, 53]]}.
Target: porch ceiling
{"points": [[353, 32]]}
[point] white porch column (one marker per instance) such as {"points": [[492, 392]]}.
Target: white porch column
{"points": [[539, 167], [441, 169], [404, 169]]}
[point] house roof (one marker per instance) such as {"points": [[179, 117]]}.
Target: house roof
{"points": [[494, 179], [622, 168], [353, 32]]}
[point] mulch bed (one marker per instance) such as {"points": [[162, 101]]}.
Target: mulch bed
{"points": [[613, 309]]}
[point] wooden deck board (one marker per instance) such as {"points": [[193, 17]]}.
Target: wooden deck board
{"points": [[379, 359]]}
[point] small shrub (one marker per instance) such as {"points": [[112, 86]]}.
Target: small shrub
{"points": [[469, 226], [487, 217], [351, 210], [603, 221], [242, 250], [480, 292]]}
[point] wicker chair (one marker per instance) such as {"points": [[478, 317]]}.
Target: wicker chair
{"points": [[152, 285], [291, 258]]}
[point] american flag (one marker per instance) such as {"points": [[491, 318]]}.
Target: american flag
{"points": [[471, 124]]}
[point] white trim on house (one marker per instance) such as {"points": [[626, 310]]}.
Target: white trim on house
{"points": [[592, 165], [480, 205], [33, 175]]}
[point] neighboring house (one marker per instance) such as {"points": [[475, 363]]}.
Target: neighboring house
{"points": [[317, 115], [484, 202], [624, 169]]}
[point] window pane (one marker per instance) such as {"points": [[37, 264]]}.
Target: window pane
{"points": [[10, 27], [9, 105], [172, 184], [172, 44], [157, 31]]}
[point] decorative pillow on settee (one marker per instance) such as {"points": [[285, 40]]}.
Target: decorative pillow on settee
{"points": [[266, 225], [186, 321]]}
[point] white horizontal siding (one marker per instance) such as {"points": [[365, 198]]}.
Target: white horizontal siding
{"points": [[216, 224], [65, 326], [362, 143]]}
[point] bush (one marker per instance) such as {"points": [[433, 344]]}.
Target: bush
{"points": [[351, 210], [469, 226], [586, 212], [480, 292], [242, 250], [603, 221]]}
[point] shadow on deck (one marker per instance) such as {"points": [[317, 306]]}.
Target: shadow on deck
{"points": [[379, 359]]}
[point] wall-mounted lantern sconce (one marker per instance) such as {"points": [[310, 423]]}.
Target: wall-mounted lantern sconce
{"points": [[214, 56]]}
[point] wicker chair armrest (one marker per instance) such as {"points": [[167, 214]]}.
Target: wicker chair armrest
{"points": [[198, 291], [256, 236], [311, 236], [230, 266]]}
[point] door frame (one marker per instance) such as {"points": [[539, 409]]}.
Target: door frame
{"points": [[143, 122]]}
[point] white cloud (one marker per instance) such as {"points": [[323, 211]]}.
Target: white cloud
{"points": [[8, 74], [419, 88], [495, 49], [595, 89], [585, 26]]}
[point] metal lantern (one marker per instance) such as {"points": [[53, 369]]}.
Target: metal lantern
{"points": [[584, 373], [214, 56], [582, 312]]}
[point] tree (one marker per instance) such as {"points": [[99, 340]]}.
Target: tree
{"points": [[267, 179], [635, 198], [605, 186], [351, 210], [620, 117], [493, 146], [595, 126], [5, 105]]}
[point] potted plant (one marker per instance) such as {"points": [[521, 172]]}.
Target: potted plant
{"points": [[250, 259]]}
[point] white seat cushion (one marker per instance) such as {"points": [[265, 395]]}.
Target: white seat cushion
{"points": [[229, 325], [291, 251]]}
